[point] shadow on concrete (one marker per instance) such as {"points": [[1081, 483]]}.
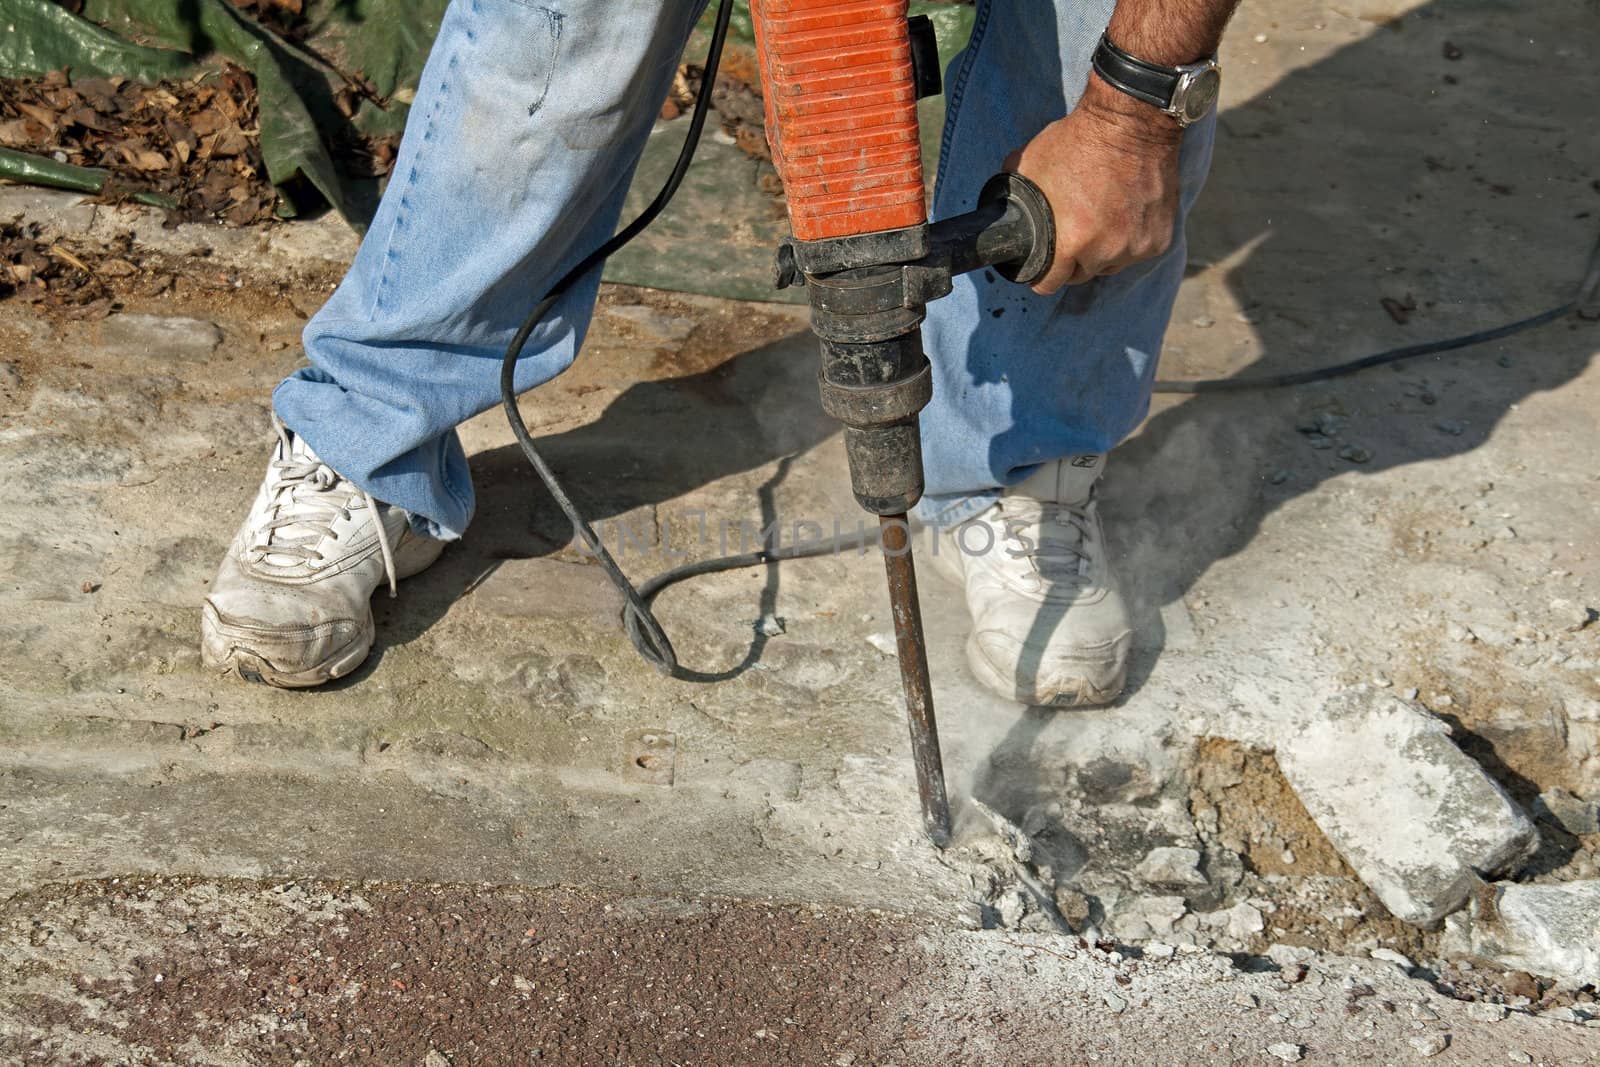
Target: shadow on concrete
{"points": [[1386, 171], [655, 442]]}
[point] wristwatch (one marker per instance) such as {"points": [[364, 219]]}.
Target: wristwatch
{"points": [[1187, 93]]}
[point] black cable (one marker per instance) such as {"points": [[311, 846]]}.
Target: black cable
{"points": [[1586, 292], [643, 629]]}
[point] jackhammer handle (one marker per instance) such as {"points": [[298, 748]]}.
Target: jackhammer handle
{"points": [[1011, 230]]}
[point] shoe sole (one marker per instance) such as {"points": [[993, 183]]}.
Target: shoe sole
{"points": [[1085, 695], [225, 654]]}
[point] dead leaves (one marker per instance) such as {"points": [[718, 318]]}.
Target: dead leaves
{"points": [[739, 109], [79, 282], [197, 141], [50, 275], [286, 18]]}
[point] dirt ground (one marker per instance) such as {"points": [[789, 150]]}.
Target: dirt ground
{"points": [[159, 971], [1384, 175]]}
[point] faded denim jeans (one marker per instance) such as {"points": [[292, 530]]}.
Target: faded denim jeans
{"points": [[527, 125]]}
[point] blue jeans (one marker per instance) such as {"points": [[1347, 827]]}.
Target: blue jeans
{"points": [[527, 125]]}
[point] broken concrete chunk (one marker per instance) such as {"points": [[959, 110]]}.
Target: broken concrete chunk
{"points": [[1141, 918], [1389, 955], [1012, 906], [1569, 811], [1430, 1044], [1170, 866], [1244, 919], [160, 336], [1553, 930], [1417, 818]]}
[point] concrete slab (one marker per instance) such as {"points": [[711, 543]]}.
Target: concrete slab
{"points": [[1418, 820], [1554, 929], [487, 740]]}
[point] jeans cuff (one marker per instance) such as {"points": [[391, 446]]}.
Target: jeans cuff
{"points": [[948, 511]]}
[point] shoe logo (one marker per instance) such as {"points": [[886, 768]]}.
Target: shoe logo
{"points": [[1085, 462]]}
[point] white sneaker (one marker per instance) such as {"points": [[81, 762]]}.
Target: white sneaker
{"points": [[1048, 625], [291, 604]]}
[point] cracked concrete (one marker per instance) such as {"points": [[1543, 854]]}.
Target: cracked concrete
{"points": [[487, 739]]}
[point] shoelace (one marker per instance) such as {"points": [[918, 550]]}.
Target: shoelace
{"points": [[1060, 551], [309, 496]]}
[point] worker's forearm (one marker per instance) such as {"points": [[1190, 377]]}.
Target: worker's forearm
{"points": [[1168, 32]]}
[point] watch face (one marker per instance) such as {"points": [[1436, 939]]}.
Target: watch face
{"points": [[1202, 94]]}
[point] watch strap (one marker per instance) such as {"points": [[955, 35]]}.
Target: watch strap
{"points": [[1153, 84]]}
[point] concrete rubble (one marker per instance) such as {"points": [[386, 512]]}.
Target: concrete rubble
{"points": [[1171, 867], [1363, 719], [1550, 929], [1418, 819], [1572, 813]]}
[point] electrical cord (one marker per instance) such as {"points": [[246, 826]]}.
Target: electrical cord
{"points": [[643, 629], [1585, 293]]}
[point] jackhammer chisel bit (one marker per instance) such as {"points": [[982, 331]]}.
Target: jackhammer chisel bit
{"points": [[841, 83]]}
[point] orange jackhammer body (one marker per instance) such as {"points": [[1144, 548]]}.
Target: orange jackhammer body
{"points": [[841, 80]]}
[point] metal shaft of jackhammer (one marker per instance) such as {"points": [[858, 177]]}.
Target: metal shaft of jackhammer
{"points": [[914, 674]]}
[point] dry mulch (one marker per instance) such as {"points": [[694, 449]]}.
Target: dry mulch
{"points": [[86, 280], [197, 141]]}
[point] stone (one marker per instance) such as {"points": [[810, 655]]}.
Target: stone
{"points": [[1516, 1055], [1290, 955], [1012, 906], [1170, 866], [1430, 1044], [1414, 816], [1389, 955], [160, 337], [1567, 810], [1244, 919], [1521, 985], [1569, 616], [1140, 918], [1286, 1051], [1073, 906], [1551, 930], [1483, 1011], [1355, 454]]}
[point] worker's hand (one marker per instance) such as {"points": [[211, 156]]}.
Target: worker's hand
{"points": [[1110, 171]]}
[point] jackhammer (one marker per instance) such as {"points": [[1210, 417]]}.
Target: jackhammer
{"points": [[841, 84], [841, 81]]}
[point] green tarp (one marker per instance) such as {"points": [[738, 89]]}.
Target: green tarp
{"points": [[384, 41], [381, 45]]}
